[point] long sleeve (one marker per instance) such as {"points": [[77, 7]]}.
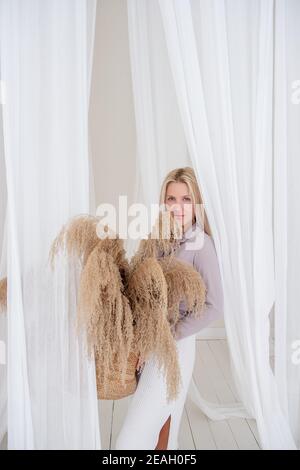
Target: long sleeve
{"points": [[206, 263]]}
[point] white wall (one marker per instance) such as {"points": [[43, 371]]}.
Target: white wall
{"points": [[112, 126]]}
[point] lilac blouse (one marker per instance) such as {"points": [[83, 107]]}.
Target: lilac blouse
{"points": [[198, 249]]}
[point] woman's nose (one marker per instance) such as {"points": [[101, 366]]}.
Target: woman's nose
{"points": [[177, 209]]}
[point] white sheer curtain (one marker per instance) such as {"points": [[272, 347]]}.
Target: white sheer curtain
{"points": [[286, 197], [3, 273], [160, 141], [220, 55], [45, 67]]}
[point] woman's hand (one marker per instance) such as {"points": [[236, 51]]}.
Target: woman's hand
{"points": [[173, 330], [140, 363]]}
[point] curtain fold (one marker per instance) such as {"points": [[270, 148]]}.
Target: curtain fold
{"points": [[286, 196], [221, 61], [45, 67], [160, 143], [3, 273]]}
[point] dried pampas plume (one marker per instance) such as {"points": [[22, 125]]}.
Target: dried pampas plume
{"points": [[3, 295], [163, 240], [126, 310], [184, 284], [130, 309], [103, 311], [104, 314], [78, 237], [158, 282], [148, 294], [115, 248]]}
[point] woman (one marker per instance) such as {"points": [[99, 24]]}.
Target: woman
{"points": [[152, 422]]}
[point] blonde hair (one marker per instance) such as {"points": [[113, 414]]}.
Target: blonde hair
{"points": [[187, 175]]}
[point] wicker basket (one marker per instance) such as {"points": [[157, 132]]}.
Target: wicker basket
{"points": [[115, 390]]}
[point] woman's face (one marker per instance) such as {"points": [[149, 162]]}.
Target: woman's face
{"points": [[179, 201]]}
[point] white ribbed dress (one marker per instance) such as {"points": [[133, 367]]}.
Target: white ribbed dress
{"points": [[148, 409]]}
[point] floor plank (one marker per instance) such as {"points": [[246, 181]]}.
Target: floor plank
{"points": [[213, 377], [119, 412], [105, 408], [221, 353], [201, 430], [3, 443], [185, 438]]}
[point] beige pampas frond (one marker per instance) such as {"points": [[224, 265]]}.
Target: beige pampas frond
{"points": [[184, 284], [158, 282], [104, 313], [148, 294], [128, 309], [78, 237], [115, 247], [3, 295], [163, 240]]}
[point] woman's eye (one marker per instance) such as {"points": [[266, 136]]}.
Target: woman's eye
{"points": [[187, 199]]}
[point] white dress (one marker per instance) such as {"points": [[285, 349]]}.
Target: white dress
{"points": [[148, 409]]}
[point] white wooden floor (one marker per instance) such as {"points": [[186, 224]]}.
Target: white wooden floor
{"points": [[212, 374]]}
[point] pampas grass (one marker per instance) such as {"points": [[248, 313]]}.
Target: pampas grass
{"points": [[184, 283], [78, 237], [3, 295], [148, 294], [163, 240], [104, 313], [126, 309], [115, 248], [130, 309]]}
